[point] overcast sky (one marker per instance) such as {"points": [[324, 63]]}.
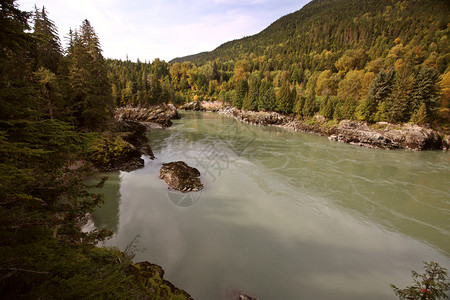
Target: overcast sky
{"points": [[164, 29]]}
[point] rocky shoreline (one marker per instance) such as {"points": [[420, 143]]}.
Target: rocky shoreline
{"points": [[381, 135], [158, 116]]}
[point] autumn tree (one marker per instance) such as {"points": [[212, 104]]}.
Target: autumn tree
{"points": [[432, 284]]}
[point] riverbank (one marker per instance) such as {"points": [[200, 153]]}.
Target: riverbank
{"points": [[120, 146], [380, 135]]}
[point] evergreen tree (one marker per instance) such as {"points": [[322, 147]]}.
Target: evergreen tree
{"points": [[267, 101], [421, 115], [309, 107], [284, 99], [90, 87], [379, 91], [426, 90], [241, 91], [397, 103], [253, 94], [48, 48], [298, 107]]}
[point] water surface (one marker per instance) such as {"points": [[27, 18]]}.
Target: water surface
{"points": [[284, 215]]}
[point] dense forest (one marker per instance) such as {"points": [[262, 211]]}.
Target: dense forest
{"points": [[362, 60], [53, 104], [380, 60]]}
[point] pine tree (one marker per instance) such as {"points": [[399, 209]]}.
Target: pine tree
{"points": [[267, 100], [397, 102], [90, 87], [284, 99], [421, 115], [241, 91], [426, 90], [309, 108], [379, 91], [48, 48], [253, 94]]}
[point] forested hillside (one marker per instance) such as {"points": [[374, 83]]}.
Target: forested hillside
{"points": [[364, 60], [53, 104]]}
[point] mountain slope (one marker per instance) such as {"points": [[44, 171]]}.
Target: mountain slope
{"points": [[337, 25]]}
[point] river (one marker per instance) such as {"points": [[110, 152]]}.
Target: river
{"points": [[283, 215]]}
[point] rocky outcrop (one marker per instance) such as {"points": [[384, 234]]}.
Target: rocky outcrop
{"points": [[120, 147], [179, 176], [213, 106], [246, 297], [381, 135], [158, 116], [151, 276], [194, 106], [387, 136]]}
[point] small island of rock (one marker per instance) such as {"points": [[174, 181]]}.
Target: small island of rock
{"points": [[179, 176]]}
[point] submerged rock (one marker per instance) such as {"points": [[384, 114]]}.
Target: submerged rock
{"points": [[179, 176]]}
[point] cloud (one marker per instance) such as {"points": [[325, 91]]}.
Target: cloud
{"points": [[164, 29]]}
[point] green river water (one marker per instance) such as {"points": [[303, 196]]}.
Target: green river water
{"points": [[283, 215]]}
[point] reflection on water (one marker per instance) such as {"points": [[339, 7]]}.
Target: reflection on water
{"points": [[283, 215]]}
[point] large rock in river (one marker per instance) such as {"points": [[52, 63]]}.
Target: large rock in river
{"points": [[179, 176]]}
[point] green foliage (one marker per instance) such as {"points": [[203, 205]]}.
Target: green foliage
{"points": [[420, 116], [44, 200], [285, 99], [89, 87], [267, 101], [426, 93], [241, 92], [432, 284], [108, 151]]}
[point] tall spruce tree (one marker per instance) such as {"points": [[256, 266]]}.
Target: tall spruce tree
{"points": [[379, 91], [241, 92], [426, 90], [251, 102], [267, 101], [90, 87], [48, 48], [284, 99]]}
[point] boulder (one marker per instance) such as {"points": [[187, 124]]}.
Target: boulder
{"points": [[179, 176], [194, 106]]}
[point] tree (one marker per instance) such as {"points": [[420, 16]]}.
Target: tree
{"points": [[48, 48], [90, 87], [433, 284], [284, 99], [426, 90], [397, 102], [267, 100], [379, 91], [309, 107], [47, 85], [241, 92], [251, 101]]}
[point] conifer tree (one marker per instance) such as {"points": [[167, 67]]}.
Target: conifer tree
{"points": [[426, 90], [48, 48], [253, 94], [241, 91], [284, 99], [90, 87], [309, 108], [267, 100]]}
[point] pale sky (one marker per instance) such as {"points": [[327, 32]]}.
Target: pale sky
{"points": [[164, 29]]}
